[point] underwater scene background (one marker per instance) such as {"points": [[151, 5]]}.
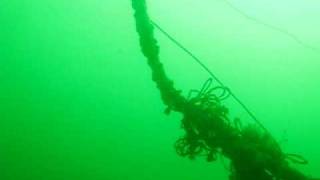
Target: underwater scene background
{"points": [[77, 100]]}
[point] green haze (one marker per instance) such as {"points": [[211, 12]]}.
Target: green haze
{"points": [[77, 100]]}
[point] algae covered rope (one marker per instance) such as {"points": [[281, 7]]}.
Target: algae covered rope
{"points": [[170, 96], [254, 154], [210, 73]]}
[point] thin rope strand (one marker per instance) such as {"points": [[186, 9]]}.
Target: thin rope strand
{"points": [[209, 72], [273, 27]]}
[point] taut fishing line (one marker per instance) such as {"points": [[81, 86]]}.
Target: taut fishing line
{"points": [[270, 26], [197, 60]]}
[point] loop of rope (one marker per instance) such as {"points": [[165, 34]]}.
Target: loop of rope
{"points": [[197, 60]]}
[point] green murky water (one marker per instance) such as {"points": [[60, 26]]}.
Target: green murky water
{"points": [[77, 100]]}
